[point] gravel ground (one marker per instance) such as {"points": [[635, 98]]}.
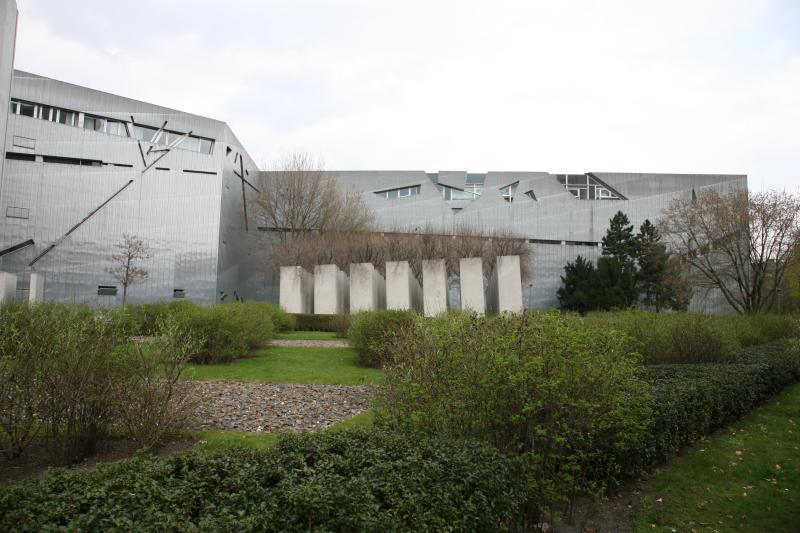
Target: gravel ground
{"points": [[310, 343], [278, 406]]}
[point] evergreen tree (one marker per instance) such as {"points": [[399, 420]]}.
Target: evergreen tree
{"points": [[620, 242], [578, 290], [659, 275], [614, 284]]}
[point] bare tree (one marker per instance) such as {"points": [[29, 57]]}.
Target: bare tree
{"points": [[298, 196], [738, 243], [125, 269], [378, 247]]}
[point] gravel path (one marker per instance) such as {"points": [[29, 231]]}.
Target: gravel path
{"points": [[278, 406], [310, 343]]}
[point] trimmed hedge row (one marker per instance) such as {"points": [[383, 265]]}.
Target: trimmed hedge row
{"points": [[690, 401], [352, 480], [335, 323]]}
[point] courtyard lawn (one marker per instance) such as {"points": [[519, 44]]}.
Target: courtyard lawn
{"points": [[291, 364], [308, 336], [746, 477], [218, 439]]}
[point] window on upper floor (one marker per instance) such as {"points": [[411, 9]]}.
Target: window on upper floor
{"points": [[403, 192], [507, 192], [115, 127], [584, 187], [69, 118]]}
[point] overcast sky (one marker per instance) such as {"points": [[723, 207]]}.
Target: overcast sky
{"points": [[557, 86]]}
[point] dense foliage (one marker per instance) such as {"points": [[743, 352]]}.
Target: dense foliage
{"points": [[68, 375], [632, 267], [335, 481], [567, 399], [373, 334]]}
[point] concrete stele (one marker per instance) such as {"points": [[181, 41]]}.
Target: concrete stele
{"points": [[8, 287], [330, 285], [509, 284], [402, 290], [296, 290], [36, 290], [366, 284], [434, 287], [473, 297]]}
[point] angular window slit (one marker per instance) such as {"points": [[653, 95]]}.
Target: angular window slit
{"points": [[16, 156], [210, 173]]}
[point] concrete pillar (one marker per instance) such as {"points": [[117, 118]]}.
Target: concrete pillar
{"points": [[473, 297], [366, 288], [402, 289], [434, 287], [8, 287], [36, 288], [330, 290], [296, 290], [509, 284]]}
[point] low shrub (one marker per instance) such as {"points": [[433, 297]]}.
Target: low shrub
{"points": [[373, 334], [567, 399], [354, 480], [310, 322]]}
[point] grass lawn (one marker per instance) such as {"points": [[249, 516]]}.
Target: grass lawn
{"points": [[308, 336], [218, 439], [744, 478], [291, 364]]}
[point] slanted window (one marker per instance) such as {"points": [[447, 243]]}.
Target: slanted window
{"points": [[507, 192], [144, 133], [403, 192], [584, 187]]}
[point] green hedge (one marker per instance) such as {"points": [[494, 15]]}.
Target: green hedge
{"points": [[353, 480], [373, 334], [336, 323], [690, 401], [664, 338]]}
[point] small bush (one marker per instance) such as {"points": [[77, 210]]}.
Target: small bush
{"points": [[567, 399], [155, 404], [309, 322], [374, 334], [282, 320], [352, 480]]}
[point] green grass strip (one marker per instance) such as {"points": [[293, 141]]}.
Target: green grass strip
{"points": [[744, 478]]}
